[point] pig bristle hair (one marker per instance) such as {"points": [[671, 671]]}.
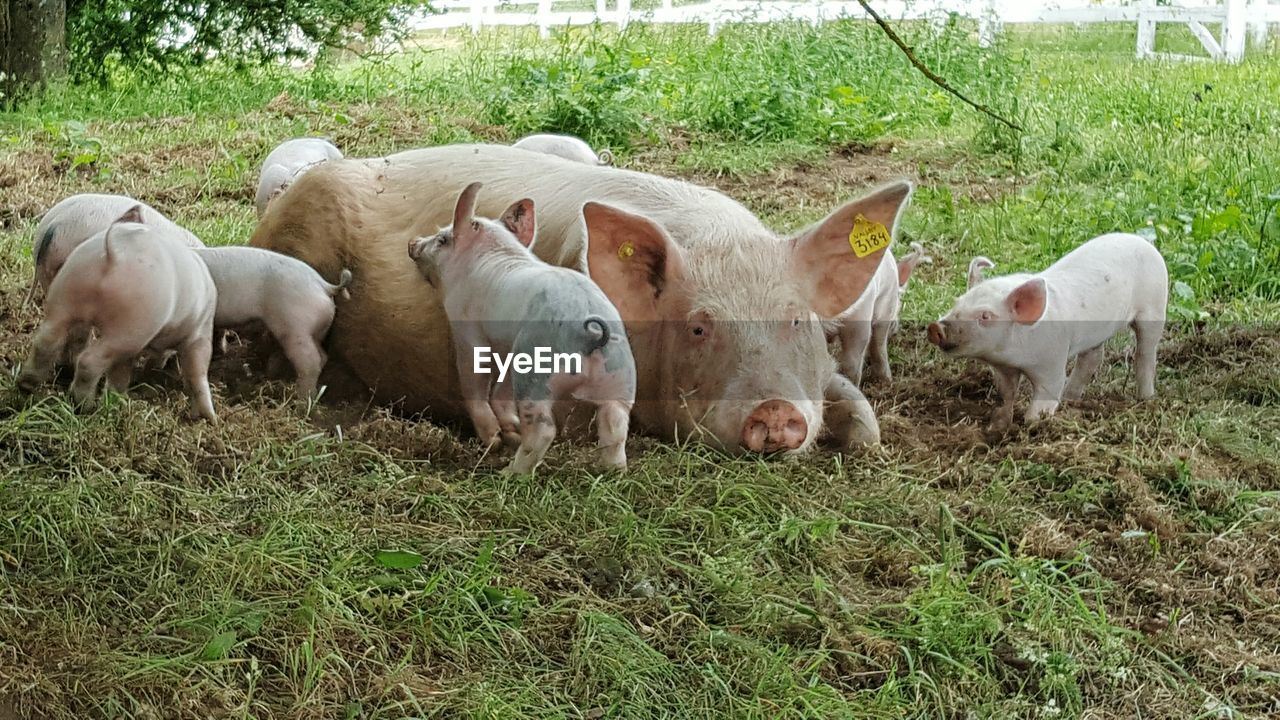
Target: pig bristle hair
{"points": [[755, 265]]}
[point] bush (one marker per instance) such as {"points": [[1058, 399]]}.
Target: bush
{"points": [[159, 34]]}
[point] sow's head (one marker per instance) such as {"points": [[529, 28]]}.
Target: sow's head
{"points": [[727, 324]]}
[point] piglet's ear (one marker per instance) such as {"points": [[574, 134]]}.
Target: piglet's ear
{"points": [[976, 266], [907, 263], [519, 220], [835, 259], [1028, 300], [465, 210], [132, 215]]}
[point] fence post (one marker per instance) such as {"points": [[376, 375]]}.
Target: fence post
{"points": [[1259, 13], [544, 18], [1146, 30], [1234, 30], [624, 13], [988, 24]]}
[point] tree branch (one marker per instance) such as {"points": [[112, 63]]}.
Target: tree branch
{"points": [[937, 80]]}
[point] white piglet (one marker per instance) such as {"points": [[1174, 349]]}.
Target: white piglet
{"points": [[286, 295], [1033, 324], [140, 289], [287, 163], [498, 295], [868, 324], [565, 146], [78, 218]]}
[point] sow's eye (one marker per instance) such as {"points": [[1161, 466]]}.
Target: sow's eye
{"points": [[700, 326], [986, 317]]}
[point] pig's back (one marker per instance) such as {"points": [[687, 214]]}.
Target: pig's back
{"points": [[425, 183], [1114, 277]]}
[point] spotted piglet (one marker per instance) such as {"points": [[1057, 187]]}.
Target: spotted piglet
{"points": [[1024, 324], [140, 288], [502, 301]]}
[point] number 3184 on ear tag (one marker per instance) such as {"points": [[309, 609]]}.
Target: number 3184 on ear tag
{"points": [[867, 236]]}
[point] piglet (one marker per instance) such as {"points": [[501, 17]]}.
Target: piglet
{"points": [[287, 163], [499, 296], [565, 146], [286, 295], [1024, 324], [140, 289], [80, 217], [873, 318]]}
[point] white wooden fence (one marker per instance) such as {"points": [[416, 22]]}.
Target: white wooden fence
{"points": [[1234, 17]]}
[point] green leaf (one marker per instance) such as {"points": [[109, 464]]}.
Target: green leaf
{"points": [[398, 559], [1183, 291], [218, 646]]}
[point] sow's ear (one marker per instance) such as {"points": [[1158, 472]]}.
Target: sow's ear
{"points": [[519, 220], [835, 259], [630, 258]]}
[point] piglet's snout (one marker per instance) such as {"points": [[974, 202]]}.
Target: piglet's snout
{"points": [[938, 336], [774, 425], [415, 246]]}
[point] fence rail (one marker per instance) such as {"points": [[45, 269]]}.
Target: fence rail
{"points": [[1234, 16]]}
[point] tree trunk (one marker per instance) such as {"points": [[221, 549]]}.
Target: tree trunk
{"points": [[33, 38]]}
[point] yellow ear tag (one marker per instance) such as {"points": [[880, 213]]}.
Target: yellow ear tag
{"points": [[626, 250], [867, 237]]}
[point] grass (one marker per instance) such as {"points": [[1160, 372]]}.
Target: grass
{"points": [[1118, 562]]}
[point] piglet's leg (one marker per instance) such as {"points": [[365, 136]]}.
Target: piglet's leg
{"points": [[77, 340], [1007, 381], [503, 404], [1148, 334], [1087, 364], [194, 357], [49, 343], [120, 374], [612, 420], [537, 430], [1047, 386], [855, 334], [880, 333], [308, 360], [91, 365], [474, 388]]}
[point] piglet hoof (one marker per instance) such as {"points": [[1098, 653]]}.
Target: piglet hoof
{"points": [[197, 416], [612, 463], [85, 406], [510, 439], [995, 432], [28, 384], [517, 468]]}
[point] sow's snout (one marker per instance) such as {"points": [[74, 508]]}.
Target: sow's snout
{"points": [[773, 426]]}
